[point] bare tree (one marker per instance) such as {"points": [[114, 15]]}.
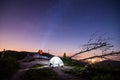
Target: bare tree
{"points": [[96, 42], [103, 56]]}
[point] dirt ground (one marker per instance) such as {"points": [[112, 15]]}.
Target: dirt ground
{"points": [[59, 70]]}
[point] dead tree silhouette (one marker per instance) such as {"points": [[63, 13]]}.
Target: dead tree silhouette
{"points": [[102, 56], [96, 42]]}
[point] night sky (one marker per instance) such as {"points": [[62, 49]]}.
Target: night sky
{"points": [[57, 25]]}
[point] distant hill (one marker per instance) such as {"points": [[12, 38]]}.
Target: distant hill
{"points": [[109, 63], [22, 54], [80, 62]]}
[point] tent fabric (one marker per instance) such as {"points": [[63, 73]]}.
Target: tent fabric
{"points": [[55, 62]]}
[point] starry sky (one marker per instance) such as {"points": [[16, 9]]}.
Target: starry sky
{"points": [[57, 26]]}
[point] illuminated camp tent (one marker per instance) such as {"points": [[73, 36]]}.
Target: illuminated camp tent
{"points": [[55, 62]]}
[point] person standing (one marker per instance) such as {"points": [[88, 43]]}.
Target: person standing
{"points": [[40, 53]]}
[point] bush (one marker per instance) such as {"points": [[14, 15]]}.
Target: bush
{"points": [[8, 66], [67, 61]]}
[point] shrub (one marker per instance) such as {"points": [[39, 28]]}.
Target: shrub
{"points": [[67, 61]]}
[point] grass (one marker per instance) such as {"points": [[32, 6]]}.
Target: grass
{"points": [[36, 66], [40, 74]]}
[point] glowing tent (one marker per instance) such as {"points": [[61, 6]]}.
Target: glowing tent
{"points": [[55, 62]]}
